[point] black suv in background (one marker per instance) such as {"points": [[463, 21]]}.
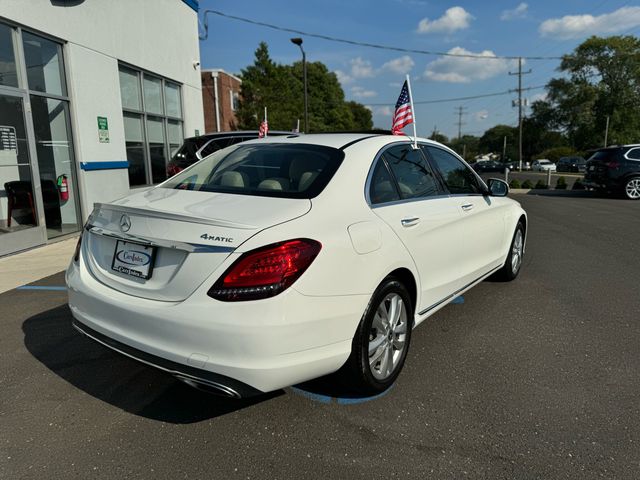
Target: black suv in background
{"points": [[615, 169], [571, 164], [195, 149]]}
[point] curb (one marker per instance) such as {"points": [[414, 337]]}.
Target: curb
{"points": [[551, 192]]}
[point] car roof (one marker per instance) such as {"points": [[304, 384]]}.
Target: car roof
{"points": [[339, 140]]}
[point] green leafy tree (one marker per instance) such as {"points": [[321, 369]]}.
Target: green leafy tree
{"points": [[602, 80], [280, 88], [466, 146], [492, 141]]}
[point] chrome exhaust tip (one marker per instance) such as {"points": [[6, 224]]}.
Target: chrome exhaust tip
{"points": [[209, 387]]}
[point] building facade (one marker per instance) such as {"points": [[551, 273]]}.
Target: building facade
{"points": [[220, 95], [94, 97]]}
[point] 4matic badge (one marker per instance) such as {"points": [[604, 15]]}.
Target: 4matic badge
{"points": [[215, 238]]}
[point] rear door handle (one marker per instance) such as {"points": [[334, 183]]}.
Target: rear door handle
{"points": [[467, 207], [410, 222]]}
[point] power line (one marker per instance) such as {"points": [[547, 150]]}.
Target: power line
{"points": [[458, 99], [361, 44]]}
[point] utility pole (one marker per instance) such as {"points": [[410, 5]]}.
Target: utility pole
{"points": [[504, 148], [520, 73], [606, 132], [460, 111]]}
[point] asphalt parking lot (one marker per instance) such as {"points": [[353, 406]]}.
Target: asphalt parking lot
{"points": [[535, 379]]}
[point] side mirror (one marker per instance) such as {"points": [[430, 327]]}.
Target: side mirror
{"points": [[497, 187]]}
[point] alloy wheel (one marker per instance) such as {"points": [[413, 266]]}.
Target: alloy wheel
{"points": [[516, 251], [387, 336], [632, 189]]}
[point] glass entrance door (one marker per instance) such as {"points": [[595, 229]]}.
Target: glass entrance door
{"points": [[21, 209]]}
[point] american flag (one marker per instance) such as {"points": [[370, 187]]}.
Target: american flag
{"points": [[403, 115], [264, 129]]}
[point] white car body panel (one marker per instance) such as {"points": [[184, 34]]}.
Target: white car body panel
{"points": [[307, 330]]}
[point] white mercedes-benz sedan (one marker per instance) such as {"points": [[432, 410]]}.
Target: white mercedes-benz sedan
{"points": [[279, 260]]}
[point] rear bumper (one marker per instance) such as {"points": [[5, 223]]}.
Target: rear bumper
{"points": [[246, 347]]}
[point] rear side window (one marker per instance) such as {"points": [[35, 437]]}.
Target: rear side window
{"points": [[266, 169], [411, 172], [459, 178], [383, 188], [634, 153]]}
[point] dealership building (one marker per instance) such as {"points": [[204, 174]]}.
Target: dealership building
{"points": [[94, 98]]}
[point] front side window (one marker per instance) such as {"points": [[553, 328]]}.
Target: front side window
{"points": [[459, 179], [271, 170]]}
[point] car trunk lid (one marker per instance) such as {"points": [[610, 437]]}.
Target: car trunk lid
{"points": [[190, 234]]}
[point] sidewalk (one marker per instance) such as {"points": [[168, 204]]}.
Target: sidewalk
{"points": [[26, 267]]}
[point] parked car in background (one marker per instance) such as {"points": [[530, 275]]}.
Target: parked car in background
{"points": [[543, 165], [276, 261], [196, 148], [490, 166], [615, 169], [571, 164]]}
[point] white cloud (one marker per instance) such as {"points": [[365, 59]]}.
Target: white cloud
{"points": [[360, 92], [395, 84], [361, 68], [401, 65], [579, 26], [519, 12], [538, 97], [481, 115], [455, 18], [344, 78], [385, 111], [465, 69]]}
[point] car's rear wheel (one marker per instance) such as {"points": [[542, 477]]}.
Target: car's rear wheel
{"points": [[632, 188], [382, 339], [513, 264]]}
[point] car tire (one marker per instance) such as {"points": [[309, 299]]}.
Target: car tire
{"points": [[381, 342], [631, 189], [511, 268]]}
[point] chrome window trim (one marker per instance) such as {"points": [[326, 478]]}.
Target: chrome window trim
{"points": [[626, 155]]}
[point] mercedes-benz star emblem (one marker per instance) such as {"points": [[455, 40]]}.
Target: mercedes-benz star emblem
{"points": [[125, 223]]}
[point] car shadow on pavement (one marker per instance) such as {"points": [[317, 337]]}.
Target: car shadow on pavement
{"points": [[119, 380]]}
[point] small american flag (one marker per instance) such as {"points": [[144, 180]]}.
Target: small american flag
{"points": [[403, 115], [264, 126], [264, 129]]}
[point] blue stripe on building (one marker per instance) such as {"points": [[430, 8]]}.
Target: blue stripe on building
{"points": [[88, 166], [192, 3]]}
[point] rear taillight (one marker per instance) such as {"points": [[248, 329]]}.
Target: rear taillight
{"points": [[613, 164], [266, 271], [76, 253]]}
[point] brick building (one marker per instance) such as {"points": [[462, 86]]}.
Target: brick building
{"points": [[220, 93]]}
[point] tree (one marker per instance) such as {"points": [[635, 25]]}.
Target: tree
{"points": [[466, 146], [603, 81], [280, 88], [492, 141]]}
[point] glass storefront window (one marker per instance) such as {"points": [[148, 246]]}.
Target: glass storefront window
{"points": [[152, 94], [174, 132], [135, 145], [130, 88], [55, 163], [43, 58], [157, 150], [172, 99], [8, 70]]}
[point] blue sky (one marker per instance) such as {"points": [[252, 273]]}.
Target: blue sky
{"points": [[372, 76]]}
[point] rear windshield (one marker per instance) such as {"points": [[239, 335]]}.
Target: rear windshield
{"points": [[186, 154], [604, 155], [268, 169]]}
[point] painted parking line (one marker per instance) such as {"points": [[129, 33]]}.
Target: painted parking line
{"points": [[326, 399], [53, 288]]}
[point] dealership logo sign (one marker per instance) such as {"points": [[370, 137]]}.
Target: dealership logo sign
{"points": [[134, 257]]}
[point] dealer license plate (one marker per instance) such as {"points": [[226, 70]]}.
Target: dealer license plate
{"points": [[133, 259]]}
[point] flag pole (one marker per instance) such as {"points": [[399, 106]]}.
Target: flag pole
{"points": [[413, 112]]}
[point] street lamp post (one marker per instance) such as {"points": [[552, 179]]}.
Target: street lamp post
{"points": [[298, 42]]}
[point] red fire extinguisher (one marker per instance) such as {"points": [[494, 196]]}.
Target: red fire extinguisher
{"points": [[63, 188]]}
